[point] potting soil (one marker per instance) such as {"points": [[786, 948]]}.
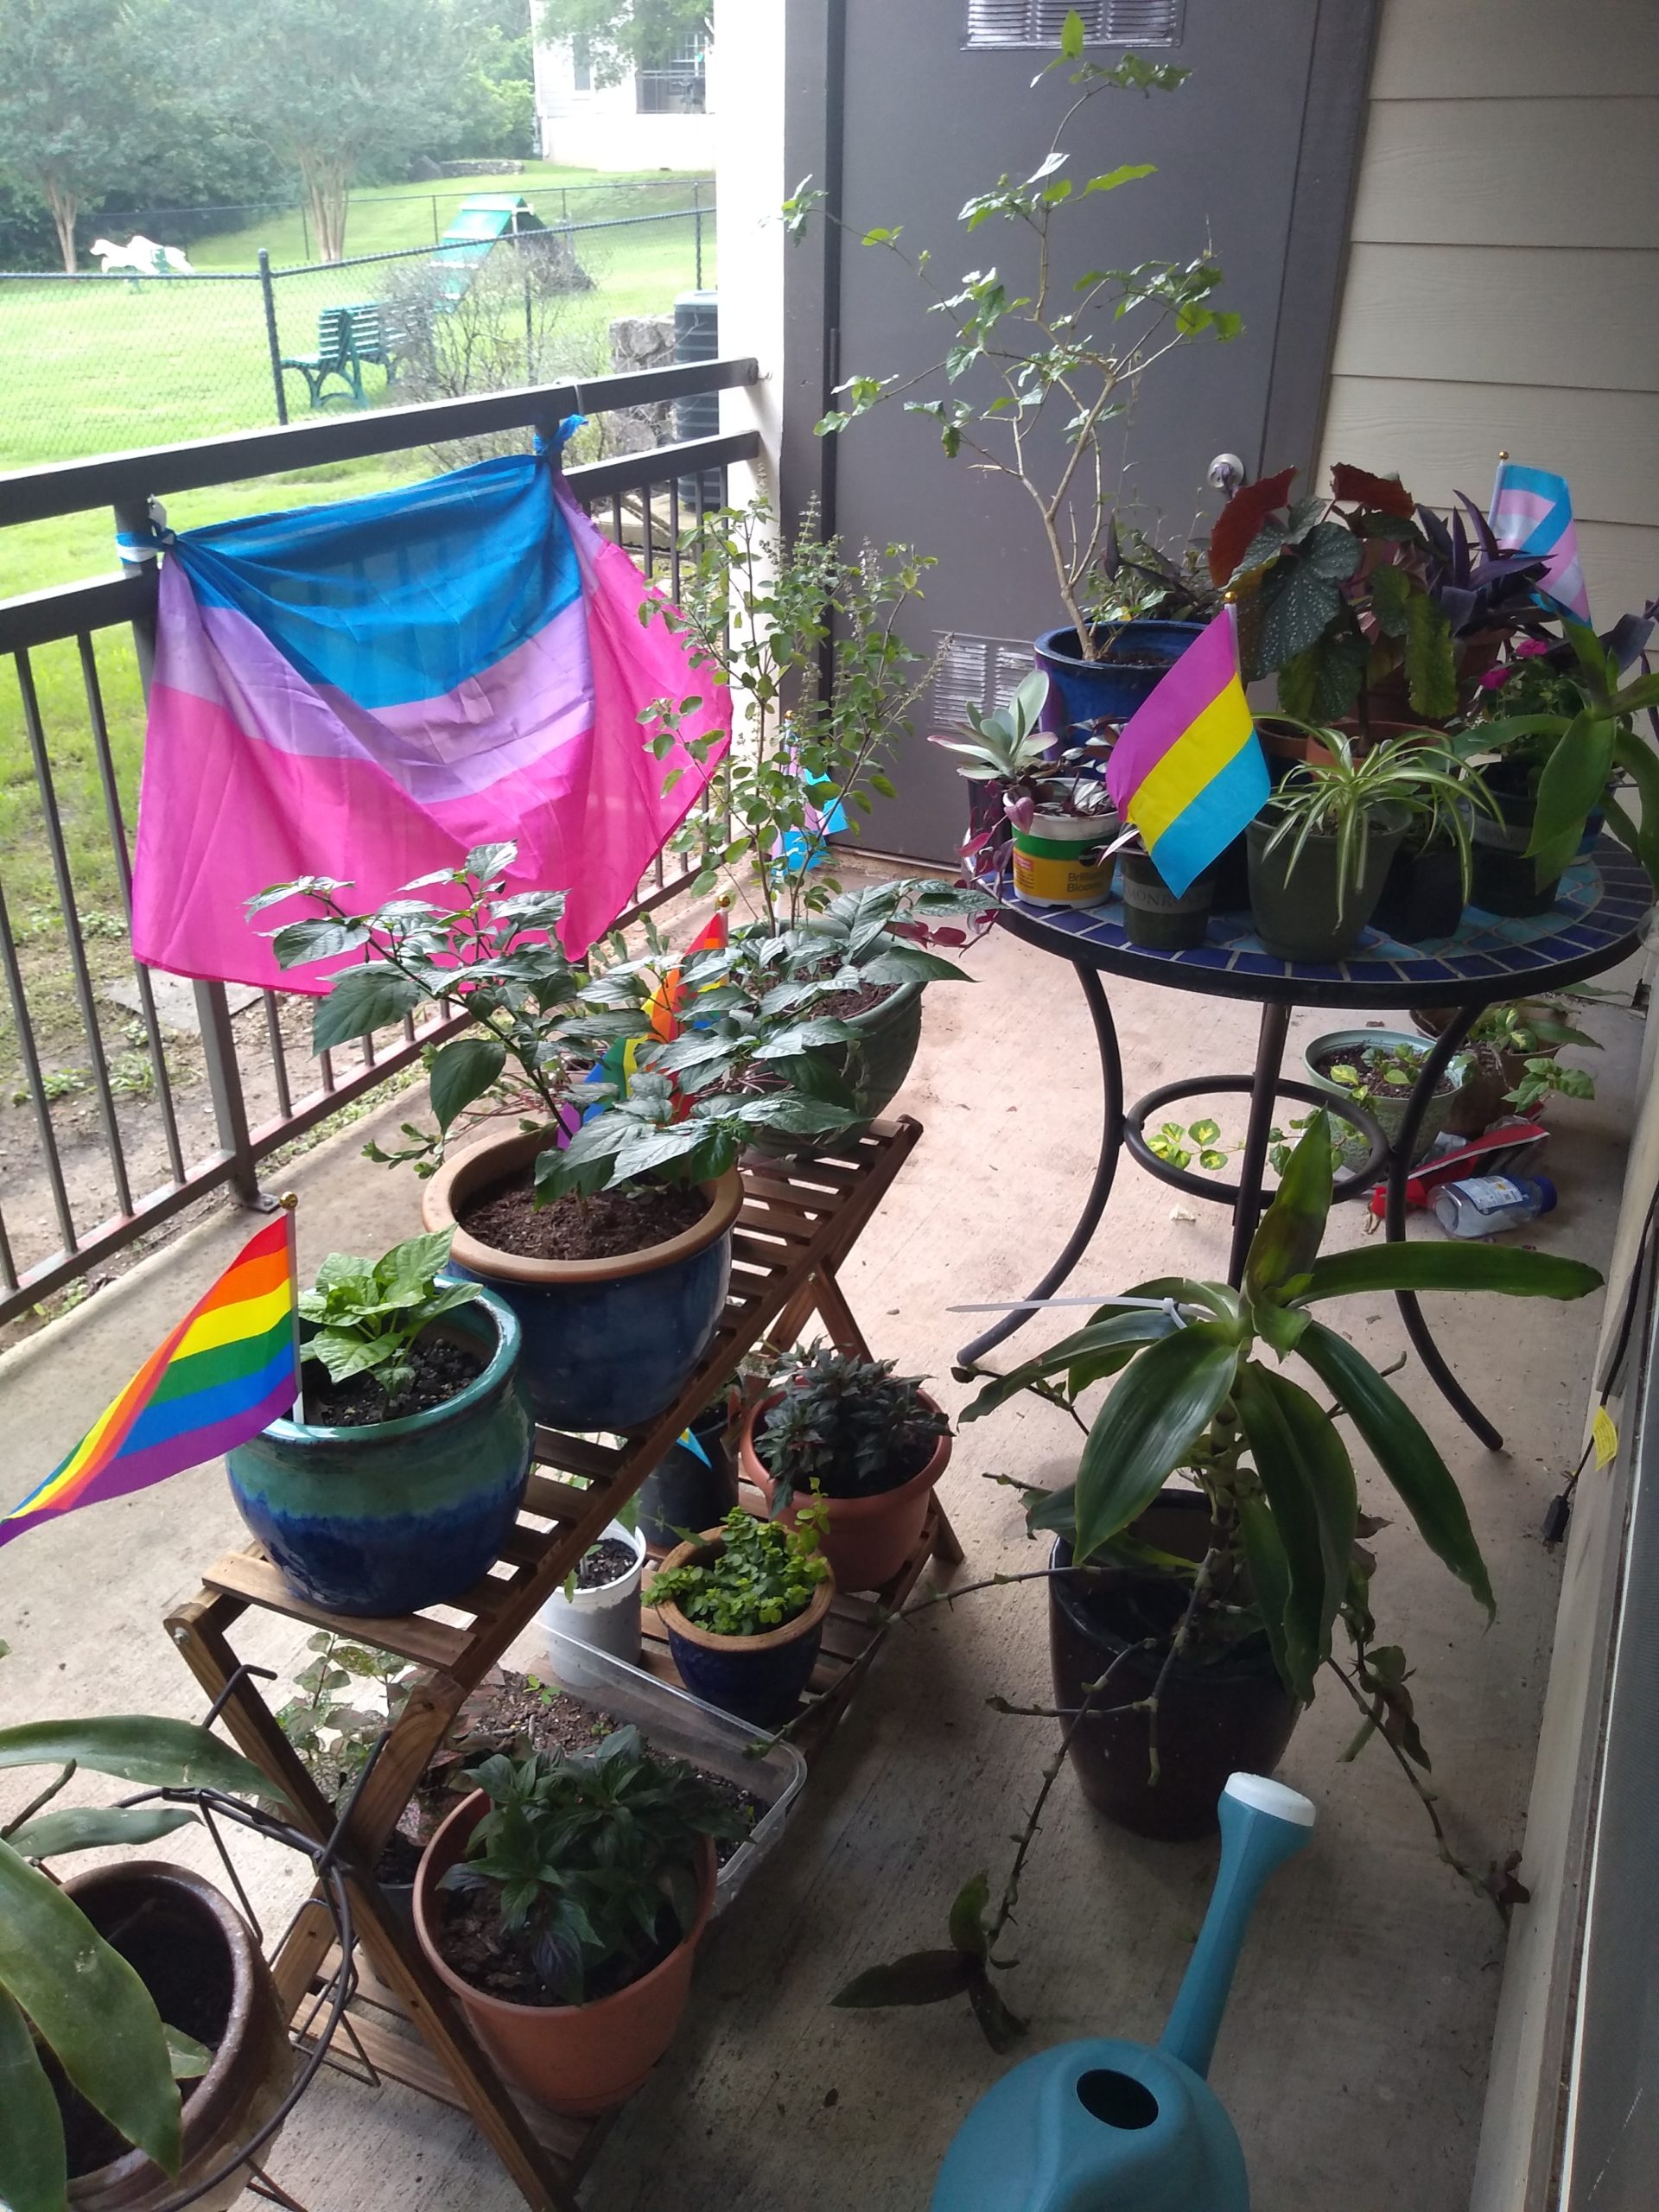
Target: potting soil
{"points": [[504, 1215]]}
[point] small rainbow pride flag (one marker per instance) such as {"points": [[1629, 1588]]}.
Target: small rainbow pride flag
{"points": [[231, 1366], [1187, 772], [1532, 512]]}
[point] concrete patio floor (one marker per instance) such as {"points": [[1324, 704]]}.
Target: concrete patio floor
{"points": [[1354, 2051]]}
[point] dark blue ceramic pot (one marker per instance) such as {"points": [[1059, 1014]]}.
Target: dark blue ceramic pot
{"points": [[1085, 694], [760, 1678], [399, 1514], [608, 1344]]}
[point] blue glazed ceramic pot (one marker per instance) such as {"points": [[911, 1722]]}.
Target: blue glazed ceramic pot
{"points": [[399, 1514], [1084, 693], [608, 1344], [758, 1677]]}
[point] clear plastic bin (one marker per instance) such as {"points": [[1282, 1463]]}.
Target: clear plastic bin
{"points": [[684, 1727]]}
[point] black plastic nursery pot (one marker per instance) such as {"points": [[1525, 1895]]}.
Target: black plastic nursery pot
{"points": [[1153, 914], [691, 1487], [1215, 1717], [1301, 910], [1422, 895], [1505, 881], [199, 1961]]}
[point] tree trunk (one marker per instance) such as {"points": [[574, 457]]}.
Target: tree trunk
{"points": [[65, 206], [325, 181]]}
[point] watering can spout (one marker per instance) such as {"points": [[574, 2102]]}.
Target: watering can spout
{"points": [[1262, 1824]]}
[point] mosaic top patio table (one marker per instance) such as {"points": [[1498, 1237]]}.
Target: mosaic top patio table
{"points": [[1605, 898]]}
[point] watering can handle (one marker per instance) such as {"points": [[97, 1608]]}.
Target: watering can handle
{"points": [[1262, 1824]]}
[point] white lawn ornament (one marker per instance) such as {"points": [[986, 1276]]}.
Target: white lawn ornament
{"points": [[142, 255]]}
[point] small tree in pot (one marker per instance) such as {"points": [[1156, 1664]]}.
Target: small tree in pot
{"points": [[866, 1444], [562, 1903]]}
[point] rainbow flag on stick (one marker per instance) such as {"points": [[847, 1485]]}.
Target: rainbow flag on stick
{"points": [[231, 1366], [1187, 772], [1532, 512]]}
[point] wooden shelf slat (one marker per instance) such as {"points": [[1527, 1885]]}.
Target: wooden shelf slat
{"points": [[429, 1643]]}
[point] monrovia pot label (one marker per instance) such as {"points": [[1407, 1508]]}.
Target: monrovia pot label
{"points": [[1158, 899]]}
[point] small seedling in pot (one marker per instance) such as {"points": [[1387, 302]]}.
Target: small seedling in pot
{"points": [[367, 1314]]}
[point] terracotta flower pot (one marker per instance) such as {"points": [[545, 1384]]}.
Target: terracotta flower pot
{"points": [[197, 1957], [757, 1677], [867, 1539], [579, 2059]]}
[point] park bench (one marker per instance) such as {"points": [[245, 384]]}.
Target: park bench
{"points": [[375, 335], [336, 356]]}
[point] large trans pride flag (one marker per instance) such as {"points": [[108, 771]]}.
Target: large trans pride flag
{"points": [[368, 691]]}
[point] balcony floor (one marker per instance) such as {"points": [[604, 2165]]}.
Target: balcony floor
{"points": [[1354, 2055]]}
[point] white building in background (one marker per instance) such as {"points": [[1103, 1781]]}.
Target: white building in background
{"points": [[657, 118]]}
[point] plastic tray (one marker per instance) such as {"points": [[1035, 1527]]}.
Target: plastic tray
{"points": [[684, 1727]]}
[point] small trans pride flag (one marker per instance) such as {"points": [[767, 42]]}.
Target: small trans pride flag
{"points": [[1532, 512], [1187, 772]]}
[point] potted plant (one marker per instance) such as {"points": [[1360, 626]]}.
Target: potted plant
{"points": [[1320, 850], [806, 638], [563, 1903], [394, 1481], [1036, 371], [1239, 1582], [862, 1446], [604, 1219], [1512, 1058], [1154, 915], [600, 1602], [1429, 880], [744, 1607], [1564, 733], [1377, 1068], [1058, 810], [141, 2037]]}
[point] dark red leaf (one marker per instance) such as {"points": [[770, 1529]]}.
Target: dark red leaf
{"points": [[1241, 518], [1359, 488]]}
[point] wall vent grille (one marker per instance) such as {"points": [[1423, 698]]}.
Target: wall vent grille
{"points": [[1106, 22], [983, 672]]}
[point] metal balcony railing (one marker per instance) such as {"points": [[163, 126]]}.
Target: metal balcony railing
{"points": [[101, 1145]]}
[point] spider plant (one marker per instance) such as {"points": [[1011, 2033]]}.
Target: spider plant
{"points": [[1346, 794]]}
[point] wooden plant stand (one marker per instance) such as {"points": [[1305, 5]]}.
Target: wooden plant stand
{"points": [[799, 1221]]}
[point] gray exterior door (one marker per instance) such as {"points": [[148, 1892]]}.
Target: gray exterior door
{"points": [[1255, 156]]}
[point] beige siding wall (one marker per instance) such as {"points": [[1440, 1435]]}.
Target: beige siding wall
{"points": [[1502, 289]]}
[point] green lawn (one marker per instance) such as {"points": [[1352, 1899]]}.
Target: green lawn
{"points": [[97, 366]]}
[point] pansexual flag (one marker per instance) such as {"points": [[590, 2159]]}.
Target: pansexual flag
{"points": [[1187, 772], [1532, 512], [368, 691], [230, 1367]]}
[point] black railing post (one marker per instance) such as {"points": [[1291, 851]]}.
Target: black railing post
{"points": [[273, 342], [696, 218]]}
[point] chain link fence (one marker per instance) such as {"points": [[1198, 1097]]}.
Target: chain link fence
{"points": [[98, 363]]}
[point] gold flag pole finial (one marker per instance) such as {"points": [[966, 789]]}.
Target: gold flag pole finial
{"points": [[1503, 453], [288, 1199]]}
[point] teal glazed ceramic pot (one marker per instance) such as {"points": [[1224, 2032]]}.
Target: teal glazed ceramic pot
{"points": [[608, 1344], [397, 1514]]}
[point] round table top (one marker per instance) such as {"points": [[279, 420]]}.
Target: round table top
{"points": [[1605, 898]]}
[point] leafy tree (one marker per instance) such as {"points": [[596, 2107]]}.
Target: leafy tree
{"points": [[619, 36], [495, 92], [84, 99], [338, 88]]}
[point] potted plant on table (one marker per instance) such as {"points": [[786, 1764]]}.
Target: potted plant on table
{"points": [[563, 1903], [1562, 725], [1058, 810], [119, 1985], [1320, 850], [394, 1480], [1036, 374], [744, 1607], [863, 1447], [1430, 875], [604, 1219]]}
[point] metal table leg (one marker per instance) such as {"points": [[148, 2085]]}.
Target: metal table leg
{"points": [[1111, 1143], [1399, 1172], [1264, 1097]]}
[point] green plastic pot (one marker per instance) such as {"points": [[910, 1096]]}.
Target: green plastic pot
{"points": [[1505, 880], [1389, 1112], [1296, 910], [1154, 916]]}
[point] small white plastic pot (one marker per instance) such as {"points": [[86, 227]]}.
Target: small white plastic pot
{"points": [[607, 1618]]}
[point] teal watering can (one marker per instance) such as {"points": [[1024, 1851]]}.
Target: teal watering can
{"points": [[1109, 2126]]}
